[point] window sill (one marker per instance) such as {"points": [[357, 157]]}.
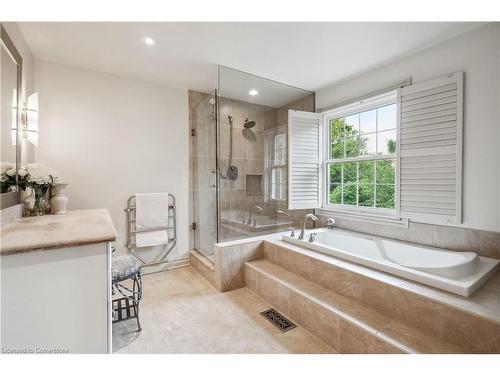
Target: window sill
{"points": [[367, 217]]}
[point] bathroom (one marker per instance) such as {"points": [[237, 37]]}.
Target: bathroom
{"points": [[167, 189]]}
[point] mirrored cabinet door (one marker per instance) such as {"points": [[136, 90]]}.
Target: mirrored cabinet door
{"points": [[10, 102]]}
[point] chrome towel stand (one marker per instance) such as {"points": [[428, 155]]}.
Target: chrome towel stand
{"points": [[131, 230]]}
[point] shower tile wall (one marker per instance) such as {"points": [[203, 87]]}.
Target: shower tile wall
{"points": [[253, 159], [249, 156]]}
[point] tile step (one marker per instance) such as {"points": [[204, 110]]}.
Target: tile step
{"points": [[343, 323], [472, 324]]}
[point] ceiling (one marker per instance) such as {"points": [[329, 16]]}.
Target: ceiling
{"points": [[306, 55]]}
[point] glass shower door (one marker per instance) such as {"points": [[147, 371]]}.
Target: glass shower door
{"points": [[204, 133]]}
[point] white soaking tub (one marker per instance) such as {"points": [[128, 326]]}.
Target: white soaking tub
{"points": [[457, 272]]}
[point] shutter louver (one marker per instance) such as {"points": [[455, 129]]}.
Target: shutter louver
{"points": [[304, 150], [431, 150]]}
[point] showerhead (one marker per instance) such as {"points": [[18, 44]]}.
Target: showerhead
{"points": [[248, 124]]}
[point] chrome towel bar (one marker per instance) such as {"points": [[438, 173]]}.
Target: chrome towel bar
{"points": [[131, 230]]}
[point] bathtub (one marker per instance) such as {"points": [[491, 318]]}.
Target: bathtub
{"points": [[457, 272]]}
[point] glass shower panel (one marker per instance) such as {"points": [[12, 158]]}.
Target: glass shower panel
{"points": [[204, 175], [252, 153]]}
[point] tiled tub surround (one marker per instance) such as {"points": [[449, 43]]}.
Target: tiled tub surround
{"points": [[483, 243], [457, 272], [359, 310], [228, 270]]}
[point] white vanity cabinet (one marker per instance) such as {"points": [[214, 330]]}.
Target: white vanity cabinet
{"points": [[55, 283]]}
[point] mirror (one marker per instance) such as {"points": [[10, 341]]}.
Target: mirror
{"points": [[10, 102]]}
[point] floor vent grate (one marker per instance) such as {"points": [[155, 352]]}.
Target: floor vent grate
{"points": [[278, 320]]}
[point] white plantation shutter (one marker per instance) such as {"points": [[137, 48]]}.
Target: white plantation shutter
{"points": [[304, 150], [431, 150]]}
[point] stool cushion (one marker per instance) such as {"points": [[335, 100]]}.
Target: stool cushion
{"points": [[124, 267]]}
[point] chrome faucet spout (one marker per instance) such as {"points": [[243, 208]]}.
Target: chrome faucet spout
{"points": [[310, 216], [303, 225], [250, 212]]}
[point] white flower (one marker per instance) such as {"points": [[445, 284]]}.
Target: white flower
{"points": [[40, 174], [5, 166], [22, 172], [11, 172]]}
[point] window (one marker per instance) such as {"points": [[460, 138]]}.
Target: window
{"points": [[361, 155], [396, 156], [278, 167]]}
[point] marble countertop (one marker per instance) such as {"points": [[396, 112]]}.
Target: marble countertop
{"points": [[76, 228]]}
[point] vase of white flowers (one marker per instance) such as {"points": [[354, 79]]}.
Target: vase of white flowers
{"points": [[39, 179]]}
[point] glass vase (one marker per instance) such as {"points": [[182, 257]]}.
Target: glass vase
{"points": [[41, 201]]}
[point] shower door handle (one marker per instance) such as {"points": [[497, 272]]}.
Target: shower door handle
{"points": [[213, 184]]}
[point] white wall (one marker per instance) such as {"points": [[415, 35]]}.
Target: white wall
{"points": [[110, 137], [477, 53]]}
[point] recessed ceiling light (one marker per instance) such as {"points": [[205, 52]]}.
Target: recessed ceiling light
{"points": [[253, 92], [147, 40]]}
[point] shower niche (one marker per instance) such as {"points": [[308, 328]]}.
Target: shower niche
{"points": [[239, 167], [254, 186]]}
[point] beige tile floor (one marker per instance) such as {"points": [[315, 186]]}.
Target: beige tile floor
{"points": [[182, 313]]}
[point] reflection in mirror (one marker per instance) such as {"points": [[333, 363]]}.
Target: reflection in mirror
{"points": [[9, 107], [10, 86], [30, 129]]}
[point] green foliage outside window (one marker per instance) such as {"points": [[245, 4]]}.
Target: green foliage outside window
{"points": [[375, 187]]}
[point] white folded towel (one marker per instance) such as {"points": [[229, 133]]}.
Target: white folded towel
{"points": [[151, 211], [151, 238]]}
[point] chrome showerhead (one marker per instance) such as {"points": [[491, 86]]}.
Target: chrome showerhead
{"points": [[248, 124]]}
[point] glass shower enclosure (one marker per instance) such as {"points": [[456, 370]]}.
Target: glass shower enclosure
{"points": [[239, 158]]}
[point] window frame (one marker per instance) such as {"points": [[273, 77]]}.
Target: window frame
{"points": [[271, 150], [387, 98]]}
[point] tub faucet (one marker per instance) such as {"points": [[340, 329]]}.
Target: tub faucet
{"points": [[330, 223], [250, 212], [312, 237], [283, 213], [303, 225]]}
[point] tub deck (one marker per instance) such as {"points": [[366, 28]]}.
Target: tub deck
{"points": [[455, 272], [484, 303]]}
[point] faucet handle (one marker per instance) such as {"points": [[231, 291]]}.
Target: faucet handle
{"points": [[330, 222], [293, 231], [312, 237]]}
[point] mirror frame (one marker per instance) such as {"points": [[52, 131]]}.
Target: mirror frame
{"points": [[12, 198]]}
